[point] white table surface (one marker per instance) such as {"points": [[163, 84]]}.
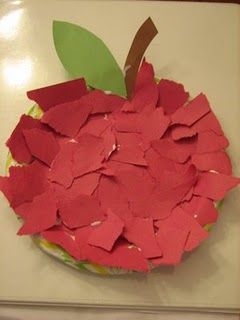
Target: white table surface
{"points": [[25, 66]]}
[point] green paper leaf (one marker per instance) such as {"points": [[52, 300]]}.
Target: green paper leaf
{"points": [[85, 55]]}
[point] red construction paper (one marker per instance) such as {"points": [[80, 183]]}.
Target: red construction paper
{"points": [[100, 102], [218, 161], [53, 95], [95, 126], [105, 234], [82, 185], [192, 112], [80, 211], [201, 209], [209, 141], [88, 155], [123, 256], [178, 151], [129, 149], [61, 169], [206, 123], [24, 183], [111, 197], [137, 185], [127, 122], [140, 232], [181, 132], [214, 185], [42, 144], [39, 215], [17, 144], [60, 236], [109, 141], [67, 118], [172, 241], [171, 95], [154, 126]]}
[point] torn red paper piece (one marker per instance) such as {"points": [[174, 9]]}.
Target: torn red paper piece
{"points": [[154, 126], [214, 185], [170, 191], [67, 118], [61, 169], [100, 102], [88, 155], [181, 132], [218, 161], [192, 112], [53, 95], [112, 198], [42, 144], [209, 141], [172, 241], [5, 188], [207, 123], [95, 126], [17, 144], [123, 255], [145, 75], [140, 232], [201, 209], [129, 149], [105, 234], [61, 237], [109, 142], [81, 211], [178, 151], [127, 122], [82, 185], [39, 215], [171, 95], [26, 182]]}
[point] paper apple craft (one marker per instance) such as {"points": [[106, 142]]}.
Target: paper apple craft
{"points": [[115, 184]]}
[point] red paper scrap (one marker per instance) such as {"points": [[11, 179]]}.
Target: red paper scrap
{"points": [[112, 198], [129, 149], [105, 234], [42, 144], [17, 144], [100, 102], [207, 123], [127, 122], [201, 209], [218, 161], [178, 151], [24, 183], [214, 142], [61, 169], [60, 236], [67, 118], [82, 185], [123, 256], [214, 185], [80, 211], [53, 95], [109, 141], [140, 232], [192, 112], [171, 95], [88, 155], [172, 241], [154, 126], [38, 215], [181, 132], [94, 126]]}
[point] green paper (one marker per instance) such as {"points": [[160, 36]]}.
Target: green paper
{"points": [[85, 55]]}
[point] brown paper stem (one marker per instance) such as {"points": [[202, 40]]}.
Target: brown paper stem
{"points": [[141, 41]]}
